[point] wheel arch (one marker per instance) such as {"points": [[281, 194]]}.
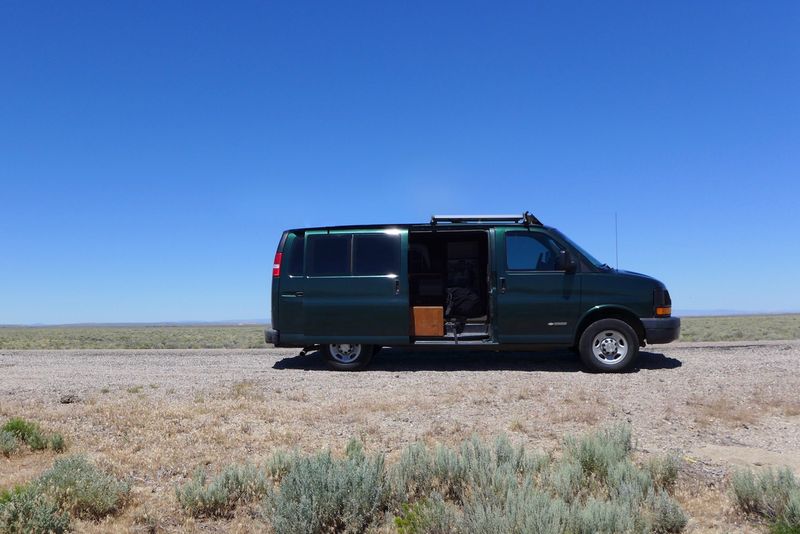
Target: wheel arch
{"points": [[611, 312]]}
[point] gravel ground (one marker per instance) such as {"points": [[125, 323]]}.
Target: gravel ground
{"points": [[669, 387], [157, 414]]}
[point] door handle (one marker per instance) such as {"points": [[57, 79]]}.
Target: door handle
{"points": [[397, 287], [298, 293], [502, 284]]}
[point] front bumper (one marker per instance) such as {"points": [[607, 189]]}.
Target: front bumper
{"points": [[272, 337], [661, 329]]}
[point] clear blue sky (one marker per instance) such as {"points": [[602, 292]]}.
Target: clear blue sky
{"points": [[152, 152]]}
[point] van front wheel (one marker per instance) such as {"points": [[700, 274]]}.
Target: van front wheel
{"points": [[609, 345], [347, 356]]}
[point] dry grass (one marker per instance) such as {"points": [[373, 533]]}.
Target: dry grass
{"points": [[719, 328], [731, 411], [743, 409], [741, 327]]}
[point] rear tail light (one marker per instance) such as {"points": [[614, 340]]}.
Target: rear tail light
{"points": [[276, 265]]}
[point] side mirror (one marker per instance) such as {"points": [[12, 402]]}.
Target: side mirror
{"points": [[566, 262]]}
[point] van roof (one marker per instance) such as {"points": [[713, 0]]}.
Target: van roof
{"points": [[449, 221]]}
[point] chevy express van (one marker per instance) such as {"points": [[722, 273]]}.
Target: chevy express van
{"points": [[487, 282]]}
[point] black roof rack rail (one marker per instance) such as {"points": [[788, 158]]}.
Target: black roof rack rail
{"points": [[526, 218]]}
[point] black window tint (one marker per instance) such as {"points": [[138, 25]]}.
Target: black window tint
{"points": [[329, 255], [376, 254], [530, 252], [297, 255]]}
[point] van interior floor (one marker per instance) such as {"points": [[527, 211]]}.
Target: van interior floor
{"points": [[449, 269]]}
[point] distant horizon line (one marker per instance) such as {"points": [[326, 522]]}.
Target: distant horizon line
{"points": [[266, 322]]}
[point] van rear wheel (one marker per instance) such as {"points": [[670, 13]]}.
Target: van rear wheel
{"points": [[609, 345], [347, 356]]}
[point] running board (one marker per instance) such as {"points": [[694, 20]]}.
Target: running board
{"points": [[453, 343]]}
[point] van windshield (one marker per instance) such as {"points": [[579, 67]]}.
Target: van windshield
{"points": [[591, 259]]}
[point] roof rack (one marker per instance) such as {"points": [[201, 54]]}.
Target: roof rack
{"points": [[526, 218]]}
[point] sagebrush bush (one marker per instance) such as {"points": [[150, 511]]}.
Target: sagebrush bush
{"points": [[664, 470], [82, 489], [323, 494], [769, 494], [599, 451], [667, 515], [429, 515], [219, 498], [27, 510], [279, 464], [8, 443], [57, 443], [477, 487]]}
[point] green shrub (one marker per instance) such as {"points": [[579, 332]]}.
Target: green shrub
{"points": [[566, 480], [599, 451], [628, 483], [219, 498], [667, 516], [279, 464], [57, 442], [27, 510], [430, 515], [606, 517], [664, 470], [323, 494], [8, 443], [26, 432], [82, 489], [765, 494], [520, 509], [772, 495]]}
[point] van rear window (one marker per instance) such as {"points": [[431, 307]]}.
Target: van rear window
{"points": [[297, 255], [328, 255], [376, 254]]}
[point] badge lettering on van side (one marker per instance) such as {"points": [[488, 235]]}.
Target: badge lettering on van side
{"points": [[558, 323]]}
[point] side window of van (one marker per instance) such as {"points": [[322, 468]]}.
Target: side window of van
{"points": [[376, 254], [328, 255], [531, 252]]}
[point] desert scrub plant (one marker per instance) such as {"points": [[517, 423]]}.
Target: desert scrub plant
{"points": [[29, 433], [237, 484], [664, 470], [597, 452], [325, 494], [772, 495], [82, 489], [27, 510], [56, 442], [8, 443], [666, 515], [429, 515]]}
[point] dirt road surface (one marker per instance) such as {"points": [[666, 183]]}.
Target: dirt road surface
{"points": [[155, 415]]}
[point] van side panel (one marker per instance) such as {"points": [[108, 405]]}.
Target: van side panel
{"points": [[354, 308]]}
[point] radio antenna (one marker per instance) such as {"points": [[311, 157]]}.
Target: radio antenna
{"points": [[616, 240]]}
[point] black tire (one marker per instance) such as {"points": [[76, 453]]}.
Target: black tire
{"points": [[609, 346], [344, 360], [376, 349]]}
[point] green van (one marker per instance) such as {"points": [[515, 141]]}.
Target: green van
{"points": [[487, 282]]}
